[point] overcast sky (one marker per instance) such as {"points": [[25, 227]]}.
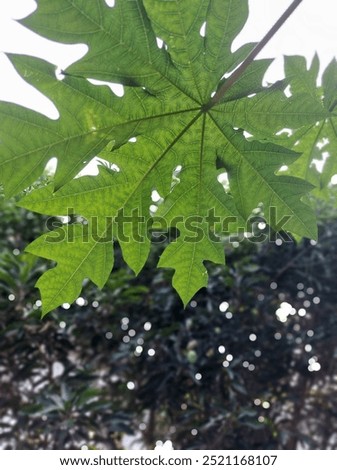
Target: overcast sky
{"points": [[311, 28]]}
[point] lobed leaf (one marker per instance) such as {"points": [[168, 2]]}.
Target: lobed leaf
{"points": [[164, 135]]}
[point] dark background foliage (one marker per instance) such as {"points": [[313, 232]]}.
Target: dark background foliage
{"points": [[225, 373]]}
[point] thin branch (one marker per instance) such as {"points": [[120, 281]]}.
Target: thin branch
{"points": [[249, 59]]}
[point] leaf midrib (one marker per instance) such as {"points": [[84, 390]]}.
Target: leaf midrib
{"points": [[109, 128], [159, 71], [242, 158]]}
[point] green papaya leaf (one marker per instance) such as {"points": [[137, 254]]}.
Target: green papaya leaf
{"points": [[164, 136]]}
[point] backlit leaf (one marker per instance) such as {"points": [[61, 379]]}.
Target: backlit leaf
{"points": [[164, 136]]}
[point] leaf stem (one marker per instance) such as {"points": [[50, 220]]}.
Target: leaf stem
{"points": [[249, 59], [332, 107]]}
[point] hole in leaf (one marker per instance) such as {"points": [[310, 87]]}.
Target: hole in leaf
{"points": [[133, 139], [155, 196], [110, 3], [111, 166], [223, 180], [333, 180], [247, 134], [115, 167], [230, 72], [203, 30], [59, 73], [283, 168], [65, 219], [287, 91], [285, 130], [51, 166], [177, 170], [322, 143], [116, 88], [319, 164], [160, 42]]}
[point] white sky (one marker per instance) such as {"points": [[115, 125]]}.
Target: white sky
{"points": [[311, 28]]}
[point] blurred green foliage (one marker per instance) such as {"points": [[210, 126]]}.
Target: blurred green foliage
{"points": [[225, 373]]}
